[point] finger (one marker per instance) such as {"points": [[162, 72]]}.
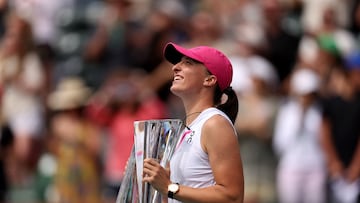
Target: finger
{"points": [[167, 171], [148, 176], [149, 166], [152, 164], [148, 179], [151, 161], [147, 171]]}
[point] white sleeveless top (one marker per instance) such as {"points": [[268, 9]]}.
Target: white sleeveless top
{"points": [[190, 164]]}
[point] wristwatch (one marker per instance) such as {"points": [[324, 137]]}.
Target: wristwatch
{"points": [[173, 188]]}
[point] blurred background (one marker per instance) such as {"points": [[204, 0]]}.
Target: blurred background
{"points": [[76, 74]]}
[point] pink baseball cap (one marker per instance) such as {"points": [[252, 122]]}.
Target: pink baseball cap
{"points": [[214, 60]]}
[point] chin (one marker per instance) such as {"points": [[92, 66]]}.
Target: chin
{"points": [[173, 89], [176, 91]]}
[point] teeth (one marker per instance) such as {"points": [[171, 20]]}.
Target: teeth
{"points": [[177, 78]]}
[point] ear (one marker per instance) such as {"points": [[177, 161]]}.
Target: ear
{"points": [[210, 81]]}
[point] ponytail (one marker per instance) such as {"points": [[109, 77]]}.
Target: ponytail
{"points": [[231, 105]]}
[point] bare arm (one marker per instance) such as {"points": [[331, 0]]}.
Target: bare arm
{"points": [[353, 171], [220, 142]]}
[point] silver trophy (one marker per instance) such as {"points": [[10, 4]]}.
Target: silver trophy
{"points": [[152, 139]]}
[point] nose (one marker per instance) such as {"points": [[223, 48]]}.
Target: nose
{"points": [[176, 67]]}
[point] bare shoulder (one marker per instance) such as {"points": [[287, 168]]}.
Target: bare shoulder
{"points": [[215, 129], [218, 123]]}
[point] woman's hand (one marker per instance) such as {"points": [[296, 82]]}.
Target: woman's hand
{"points": [[156, 175], [336, 169]]}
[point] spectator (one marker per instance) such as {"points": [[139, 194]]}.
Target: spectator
{"points": [[341, 136], [22, 78], [301, 169], [254, 124], [282, 44], [255, 82], [105, 51], [77, 177]]}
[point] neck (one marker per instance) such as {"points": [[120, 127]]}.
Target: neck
{"points": [[196, 102], [193, 111], [189, 118], [198, 99]]}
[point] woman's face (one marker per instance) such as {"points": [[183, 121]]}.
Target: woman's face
{"points": [[189, 76]]}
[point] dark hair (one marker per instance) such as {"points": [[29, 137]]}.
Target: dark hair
{"points": [[231, 105]]}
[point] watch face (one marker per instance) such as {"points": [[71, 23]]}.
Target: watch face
{"points": [[173, 187]]}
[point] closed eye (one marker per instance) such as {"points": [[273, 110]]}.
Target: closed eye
{"points": [[189, 61]]}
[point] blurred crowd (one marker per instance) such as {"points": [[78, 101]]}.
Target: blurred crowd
{"points": [[76, 74]]}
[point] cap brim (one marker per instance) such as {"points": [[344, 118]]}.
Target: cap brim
{"points": [[173, 53]]}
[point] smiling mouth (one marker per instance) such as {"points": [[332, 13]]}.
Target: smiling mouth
{"points": [[177, 77]]}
